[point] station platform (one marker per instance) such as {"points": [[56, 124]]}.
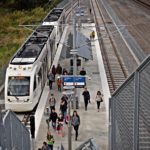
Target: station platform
{"points": [[94, 124]]}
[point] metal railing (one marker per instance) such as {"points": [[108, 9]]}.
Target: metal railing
{"points": [[90, 144], [130, 113], [13, 134]]}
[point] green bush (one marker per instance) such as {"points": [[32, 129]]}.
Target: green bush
{"points": [[11, 34]]}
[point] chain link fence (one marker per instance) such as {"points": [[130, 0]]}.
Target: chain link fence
{"points": [[13, 134], [130, 113]]}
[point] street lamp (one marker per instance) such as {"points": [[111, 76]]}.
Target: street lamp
{"points": [[69, 93]]}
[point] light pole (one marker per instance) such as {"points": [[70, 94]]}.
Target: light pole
{"points": [[74, 51], [69, 92]]}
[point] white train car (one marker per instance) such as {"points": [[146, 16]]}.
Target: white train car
{"points": [[56, 17], [26, 74]]}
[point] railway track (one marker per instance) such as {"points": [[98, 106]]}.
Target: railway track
{"points": [[68, 9], [115, 69]]}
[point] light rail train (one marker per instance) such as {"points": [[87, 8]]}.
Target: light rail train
{"points": [[26, 74]]}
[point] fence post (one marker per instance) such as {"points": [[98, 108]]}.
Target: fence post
{"points": [[113, 125], [136, 112], [110, 125]]}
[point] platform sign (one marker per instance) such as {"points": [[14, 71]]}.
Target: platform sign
{"points": [[77, 81]]}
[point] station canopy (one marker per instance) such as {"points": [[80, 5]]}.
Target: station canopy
{"points": [[83, 45]]}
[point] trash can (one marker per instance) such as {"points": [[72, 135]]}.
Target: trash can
{"points": [[75, 103]]}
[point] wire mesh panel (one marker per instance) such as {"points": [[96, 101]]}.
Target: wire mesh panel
{"points": [[15, 135], [123, 113], [130, 112], [144, 107]]}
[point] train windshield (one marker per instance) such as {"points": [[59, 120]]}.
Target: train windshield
{"points": [[18, 86]]}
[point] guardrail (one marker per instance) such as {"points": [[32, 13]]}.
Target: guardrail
{"points": [[90, 144]]}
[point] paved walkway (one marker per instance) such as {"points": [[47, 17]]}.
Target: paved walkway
{"points": [[93, 124]]}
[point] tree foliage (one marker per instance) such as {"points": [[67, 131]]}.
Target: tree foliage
{"points": [[23, 4]]}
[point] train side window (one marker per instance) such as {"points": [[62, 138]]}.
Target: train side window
{"points": [[34, 86]]}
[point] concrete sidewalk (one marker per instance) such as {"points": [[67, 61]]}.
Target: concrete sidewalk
{"points": [[93, 124]]}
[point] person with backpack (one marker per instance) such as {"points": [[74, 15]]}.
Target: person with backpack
{"points": [[50, 140], [53, 118], [76, 123]]}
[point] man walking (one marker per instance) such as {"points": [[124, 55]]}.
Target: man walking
{"points": [[86, 96]]}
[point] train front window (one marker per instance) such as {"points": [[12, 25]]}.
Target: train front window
{"points": [[19, 86]]}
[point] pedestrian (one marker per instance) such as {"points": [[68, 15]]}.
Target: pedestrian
{"points": [[59, 83], [52, 102], [86, 96], [82, 72], [54, 71], [99, 99], [63, 107], [60, 123], [51, 80], [45, 146], [64, 97], [32, 126], [53, 118], [92, 35], [65, 72], [76, 123], [50, 139], [59, 69]]}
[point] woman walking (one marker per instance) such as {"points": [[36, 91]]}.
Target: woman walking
{"points": [[75, 123], [99, 99]]}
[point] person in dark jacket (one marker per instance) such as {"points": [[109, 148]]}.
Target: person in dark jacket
{"points": [[54, 71], [53, 118], [86, 96], [51, 79], [75, 123], [63, 107], [82, 72], [59, 69], [32, 126]]}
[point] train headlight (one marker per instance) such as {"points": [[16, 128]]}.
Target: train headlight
{"points": [[26, 100], [9, 100]]}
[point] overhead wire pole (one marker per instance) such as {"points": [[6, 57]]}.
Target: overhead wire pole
{"points": [[74, 43]]}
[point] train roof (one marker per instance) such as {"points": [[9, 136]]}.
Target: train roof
{"points": [[53, 15], [32, 48]]}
